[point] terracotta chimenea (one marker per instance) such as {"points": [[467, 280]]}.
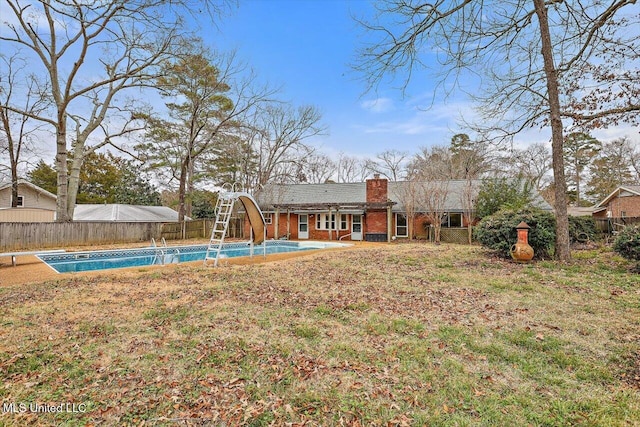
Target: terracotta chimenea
{"points": [[521, 251]]}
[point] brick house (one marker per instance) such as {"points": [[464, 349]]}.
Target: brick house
{"points": [[623, 202], [375, 210]]}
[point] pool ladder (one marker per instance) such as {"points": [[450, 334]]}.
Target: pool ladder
{"points": [[224, 209], [164, 251]]}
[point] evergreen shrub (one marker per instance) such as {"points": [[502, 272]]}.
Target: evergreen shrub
{"points": [[627, 243], [582, 228], [498, 231]]}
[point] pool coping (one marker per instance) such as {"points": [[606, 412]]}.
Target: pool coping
{"points": [[155, 251], [31, 270]]}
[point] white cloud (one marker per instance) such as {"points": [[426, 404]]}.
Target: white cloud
{"points": [[378, 105]]}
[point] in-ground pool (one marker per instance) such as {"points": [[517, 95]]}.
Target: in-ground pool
{"points": [[122, 258]]}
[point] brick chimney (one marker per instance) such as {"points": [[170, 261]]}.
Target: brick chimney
{"points": [[377, 189]]}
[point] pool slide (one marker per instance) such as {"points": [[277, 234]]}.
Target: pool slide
{"points": [[254, 214]]}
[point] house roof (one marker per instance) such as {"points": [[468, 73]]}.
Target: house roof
{"points": [[454, 191], [342, 194], [353, 195], [631, 189], [7, 184], [124, 213], [581, 210]]}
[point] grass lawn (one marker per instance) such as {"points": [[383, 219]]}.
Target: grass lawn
{"points": [[406, 334]]}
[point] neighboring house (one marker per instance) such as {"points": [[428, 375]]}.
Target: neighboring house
{"points": [[124, 213], [373, 210], [623, 202], [580, 210], [34, 203], [38, 205]]}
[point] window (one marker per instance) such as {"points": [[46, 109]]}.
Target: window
{"points": [[623, 214], [452, 219], [268, 218], [343, 222], [401, 225], [326, 222], [20, 201], [455, 219]]}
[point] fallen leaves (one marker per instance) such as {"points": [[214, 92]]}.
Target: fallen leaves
{"points": [[195, 346]]}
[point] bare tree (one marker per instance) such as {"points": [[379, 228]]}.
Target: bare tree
{"points": [[91, 54], [318, 168], [350, 169], [534, 162], [409, 193], [529, 55], [433, 195], [17, 133], [279, 137], [389, 163], [467, 199]]}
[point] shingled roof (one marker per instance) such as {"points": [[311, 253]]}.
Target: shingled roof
{"points": [[310, 195], [353, 195]]}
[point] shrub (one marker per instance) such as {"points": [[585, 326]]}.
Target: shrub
{"points": [[582, 228], [627, 243], [498, 231], [496, 194]]}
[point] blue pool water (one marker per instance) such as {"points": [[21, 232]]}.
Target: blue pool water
{"points": [[122, 258]]}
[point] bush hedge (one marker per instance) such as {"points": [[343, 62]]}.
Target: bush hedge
{"points": [[582, 229], [498, 231], [627, 243]]}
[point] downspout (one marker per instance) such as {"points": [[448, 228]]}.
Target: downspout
{"points": [[389, 222]]}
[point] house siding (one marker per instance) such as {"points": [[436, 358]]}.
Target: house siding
{"points": [[31, 198], [27, 215], [376, 199], [376, 223], [630, 205], [314, 233]]}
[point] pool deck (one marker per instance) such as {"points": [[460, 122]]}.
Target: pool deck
{"points": [[31, 270]]}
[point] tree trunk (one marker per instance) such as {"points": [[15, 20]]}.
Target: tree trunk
{"points": [[74, 180], [562, 250], [436, 233], [577, 185], [182, 190], [62, 214], [188, 210], [14, 189], [13, 157]]}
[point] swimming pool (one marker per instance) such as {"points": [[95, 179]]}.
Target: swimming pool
{"points": [[125, 258]]}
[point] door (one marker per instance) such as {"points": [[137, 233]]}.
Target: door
{"points": [[303, 226], [356, 227]]}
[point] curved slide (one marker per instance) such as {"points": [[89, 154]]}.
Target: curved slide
{"points": [[256, 219]]}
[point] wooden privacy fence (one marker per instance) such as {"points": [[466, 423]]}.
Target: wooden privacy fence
{"points": [[199, 228], [610, 226], [15, 236], [188, 229], [39, 235]]}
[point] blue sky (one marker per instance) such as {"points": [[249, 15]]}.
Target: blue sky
{"points": [[306, 47]]}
